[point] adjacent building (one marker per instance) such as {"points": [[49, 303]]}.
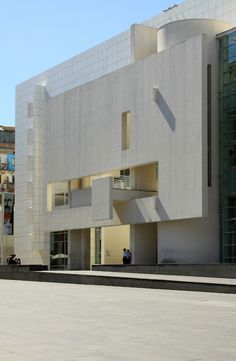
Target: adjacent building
{"points": [[7, 187], [131, 145]]}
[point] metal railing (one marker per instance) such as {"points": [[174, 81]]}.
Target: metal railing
{"points": [[122, 182]]}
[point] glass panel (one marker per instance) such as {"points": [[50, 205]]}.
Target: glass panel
{"points": [[227, 127], [209, 124], [60, 194], [98, 245], [232, 47], [59, 200], [59, 250]]}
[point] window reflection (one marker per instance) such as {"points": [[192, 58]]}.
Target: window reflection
{"points": [[59, 250]]}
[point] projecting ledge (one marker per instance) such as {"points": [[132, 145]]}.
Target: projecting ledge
{"points": [[123, 195]]}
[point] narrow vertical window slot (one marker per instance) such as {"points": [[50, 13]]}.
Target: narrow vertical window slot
{"points": [[209, 123], [125, 130]]}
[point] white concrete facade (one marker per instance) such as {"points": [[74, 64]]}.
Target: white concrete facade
{"points": [[148, 85]]}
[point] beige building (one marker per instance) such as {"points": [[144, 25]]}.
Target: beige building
{"points": [[7, 187], [118, 147]]}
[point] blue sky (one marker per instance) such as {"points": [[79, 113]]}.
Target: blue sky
{"points": [[38, 34]]}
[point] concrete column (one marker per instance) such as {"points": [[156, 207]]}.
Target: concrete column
{"points": [[85, 249], [143, 240], [74, 249]]}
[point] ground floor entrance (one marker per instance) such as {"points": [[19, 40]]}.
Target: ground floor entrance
{"points": [[82, 248]]}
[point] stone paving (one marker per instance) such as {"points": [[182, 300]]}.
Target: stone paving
{"points": [[214, 280], [64, 322]]}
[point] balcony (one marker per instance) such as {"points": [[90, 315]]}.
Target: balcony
{"points": [[122, 191], [96, 198], [95, 201], [122, 182]]}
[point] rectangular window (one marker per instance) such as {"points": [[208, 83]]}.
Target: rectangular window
{"points": [[125, 172], [209, 122], [60, 199], [60, 194], [30, 110], [232, 208], [29, 136], [125, 130]]}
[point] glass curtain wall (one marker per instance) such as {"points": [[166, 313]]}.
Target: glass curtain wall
{"points": [[227, 134]]}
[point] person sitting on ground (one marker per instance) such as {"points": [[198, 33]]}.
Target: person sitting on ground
{"points": [[11, 259]]}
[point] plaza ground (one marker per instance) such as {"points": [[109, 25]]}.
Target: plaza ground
{"points": [[64, 322]]}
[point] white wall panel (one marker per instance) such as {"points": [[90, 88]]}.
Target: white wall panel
{"points": [[102, 199]]}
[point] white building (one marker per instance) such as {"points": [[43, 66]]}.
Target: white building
{"points": [[119, 147]]}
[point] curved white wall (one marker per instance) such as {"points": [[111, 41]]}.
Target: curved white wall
{"points": [[178, 31]]}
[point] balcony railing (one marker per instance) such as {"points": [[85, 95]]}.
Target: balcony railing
{"points": [[122, 182]]}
